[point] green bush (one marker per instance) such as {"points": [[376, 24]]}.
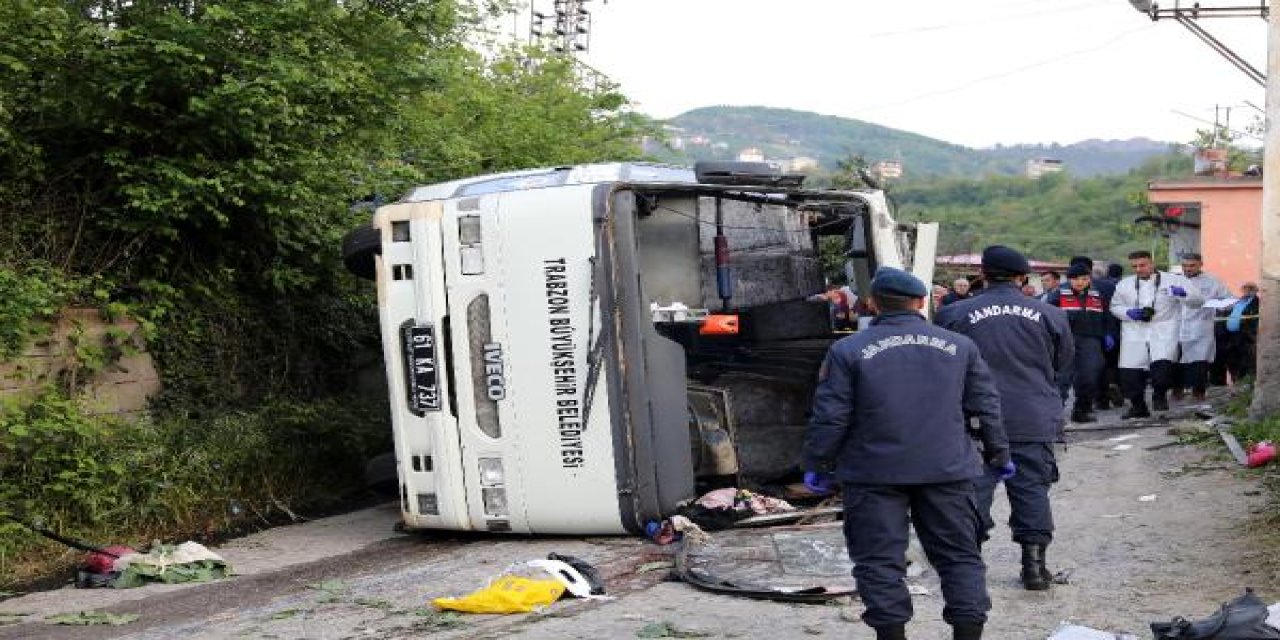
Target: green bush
{"points": [[29, 299], [101, 479]]}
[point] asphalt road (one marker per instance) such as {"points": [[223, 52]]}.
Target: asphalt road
{"points": [[1132, 559]]}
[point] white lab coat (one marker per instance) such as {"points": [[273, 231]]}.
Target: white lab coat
{"points": [[1142, 343], [1196, 334]]}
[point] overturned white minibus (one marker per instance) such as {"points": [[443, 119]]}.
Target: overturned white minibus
{"points": [[571, 350]]}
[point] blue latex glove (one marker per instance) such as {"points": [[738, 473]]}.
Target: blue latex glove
{"points": [[1134, 314], [1109, 343], [1005, 471], [818, 482], [1177, 292]]}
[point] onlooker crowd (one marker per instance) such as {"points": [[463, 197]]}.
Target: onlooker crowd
{"points": [[1152, 333]]}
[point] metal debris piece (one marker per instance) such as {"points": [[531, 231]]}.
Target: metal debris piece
{"points": [[788, 564], [1233, 445]]}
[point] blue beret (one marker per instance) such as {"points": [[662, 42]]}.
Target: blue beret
{"points": [[897, 282], [1001, 259]]}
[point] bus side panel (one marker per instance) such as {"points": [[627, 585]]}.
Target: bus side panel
{"points": [[654, 382], [568, 471]]}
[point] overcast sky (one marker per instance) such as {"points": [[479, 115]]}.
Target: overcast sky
{"points": [[975, 73]]}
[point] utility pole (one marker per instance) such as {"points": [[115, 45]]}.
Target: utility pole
{"points": [[567, 27], [1266, 388]]}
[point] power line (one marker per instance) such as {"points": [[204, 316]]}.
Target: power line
{"points": [[982, 22], [1233, 131], [1005, 74]]}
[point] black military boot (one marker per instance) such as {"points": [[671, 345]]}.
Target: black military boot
{"points": [[1083, 412], [966, 631], [892, 632], [1035, 576], [1159, 401], [1137, 409]]}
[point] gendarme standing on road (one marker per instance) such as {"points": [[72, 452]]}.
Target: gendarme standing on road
{"points": [[1026, 343], [889, 420]]}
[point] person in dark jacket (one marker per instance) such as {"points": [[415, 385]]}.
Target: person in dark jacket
{"points": [[1236, 330], [1087, 313], [1108, 389], [1026, 343], [961, 289], [889, 420]]}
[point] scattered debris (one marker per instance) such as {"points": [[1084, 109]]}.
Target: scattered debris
{"points": [[332, 590], [11, 618], [187, 562], [666, 629], [530, 586], [87, 618], [673, 529], [506, 594], [1221, 421], [804, 516], [1076, 632], [1062, 577], [722, 508], [1204, 412], [655, 566], [1127, 436], [1191, 430], [1260, 453], [431, 620], [1151, 497], [1244, 617], [1233, 445], [788, 564]]}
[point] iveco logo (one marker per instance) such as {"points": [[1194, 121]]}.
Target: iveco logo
{"points": [[494, 381]]}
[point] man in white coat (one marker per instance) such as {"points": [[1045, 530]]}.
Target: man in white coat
{"points": [[1149, 305], [1196, 336]]}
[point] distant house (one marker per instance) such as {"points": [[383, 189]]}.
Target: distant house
{"points": [[1037, 167], [800, 163], [971, 263], [751, 154], [1219, 217], [888, 169]]}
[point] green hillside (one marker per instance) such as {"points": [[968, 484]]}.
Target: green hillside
{"points": [[716, 133]]}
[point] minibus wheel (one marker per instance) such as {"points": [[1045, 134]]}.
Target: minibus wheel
{"points": [[358, 250]]}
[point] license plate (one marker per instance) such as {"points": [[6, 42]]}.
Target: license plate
{"points": [[422, 381]]}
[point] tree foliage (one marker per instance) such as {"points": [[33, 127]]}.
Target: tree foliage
{"points": [[1050, 218], [207, 151], [193, 163]]}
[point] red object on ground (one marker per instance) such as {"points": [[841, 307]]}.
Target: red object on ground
{"points": [[1261, 453], [719, 325], [99, 562]]}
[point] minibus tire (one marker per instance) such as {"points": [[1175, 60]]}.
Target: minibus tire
{"points": [[358, 250]]}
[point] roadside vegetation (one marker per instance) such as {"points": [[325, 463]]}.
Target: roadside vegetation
{"points": [[193, 166]]}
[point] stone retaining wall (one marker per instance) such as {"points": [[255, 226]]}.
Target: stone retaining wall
{"points": [[121, 388]]}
